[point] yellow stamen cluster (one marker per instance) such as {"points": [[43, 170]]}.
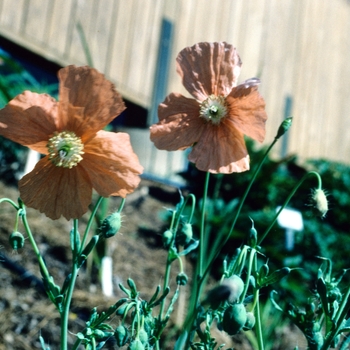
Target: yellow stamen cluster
{"points": [[65, 149], [213, 109]]}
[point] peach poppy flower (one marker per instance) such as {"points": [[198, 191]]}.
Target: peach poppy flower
{"points": [[215, 122], [79, 156]]}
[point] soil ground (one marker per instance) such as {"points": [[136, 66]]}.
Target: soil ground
{"points": [[26, 312]]}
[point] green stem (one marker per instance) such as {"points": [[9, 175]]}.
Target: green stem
{"points": [[93, 345], [202, 231], [289, 198], [8, 200], [68, 297], [252, 258], [121, 206], [76, 344], [43, 268], [224, 241], [199, 281], [258, 328], [89, 224], [167, 267], [165, 284]]}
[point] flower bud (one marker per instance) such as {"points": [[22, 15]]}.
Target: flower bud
{"points": [[229, 290], [235, 317], [167, 238], [253, 236], [250, 323], [111, 225], [121, 310], [185, 235], [320, 201], [16, 240], [101, 335], [149, 323], [121, 335], [143, 336], [236, 286], [284, 127], [181, 279], [136, 345]]}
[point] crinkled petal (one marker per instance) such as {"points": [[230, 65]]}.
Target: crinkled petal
{"points": [[179, 124], [88, 101], [221, 149], [209, 68], [112, 165], [28, 119], [247, 109], [56, 191]]}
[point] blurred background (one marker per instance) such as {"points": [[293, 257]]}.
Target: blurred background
{"points": [[299, 48]]}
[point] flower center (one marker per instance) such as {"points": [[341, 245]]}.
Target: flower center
{"points": [[213, 109], [65, 149]]}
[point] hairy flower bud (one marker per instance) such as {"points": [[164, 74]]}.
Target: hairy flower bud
{"points": [[236, 286], [229, 290], [121, 335], [16, 240], [320, 201], [235, 317], [136, 345], [143, 336], [250, 323], [185, 235], [111, 225]]}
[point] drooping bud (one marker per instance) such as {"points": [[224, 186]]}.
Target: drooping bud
{"points": [[284, 127], [111, 225], [235, 317], [143, 336], [181, 279], [167, 238], [136, 345], [229, 290], [236, 286], [250, 323], [16, 240], [121, 335], [185, 235], [320, 201]]}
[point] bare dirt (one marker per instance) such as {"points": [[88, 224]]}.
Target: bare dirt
{"points": [[26, 312]]}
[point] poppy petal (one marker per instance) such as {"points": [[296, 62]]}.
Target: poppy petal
{"points": [[56, 191], [221, 149], [112, 165], [209, 68], [88, 101], [247, 110], [28, 119], [179, 124]]}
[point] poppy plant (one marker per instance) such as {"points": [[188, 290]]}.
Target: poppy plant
{"points": [[215, 122], [79, 155]]}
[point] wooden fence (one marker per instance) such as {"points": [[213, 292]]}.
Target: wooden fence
{"points": [[299, 48]]}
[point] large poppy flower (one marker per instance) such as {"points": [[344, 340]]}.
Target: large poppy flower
{"points": [[79, 156], [215, 122]]}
